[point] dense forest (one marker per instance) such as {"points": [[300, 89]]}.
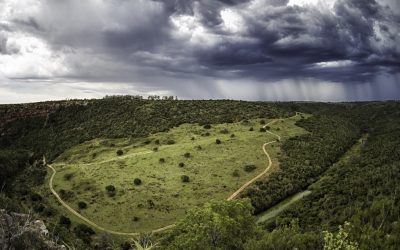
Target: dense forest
{"points": [[353, 201]]}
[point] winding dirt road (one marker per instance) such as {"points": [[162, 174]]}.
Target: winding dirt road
{"points": [[233, 196]]}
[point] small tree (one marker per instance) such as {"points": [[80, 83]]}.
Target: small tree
{"points": [[120, 152], [250, 168], [181, 164], [110, 190], [218, 141], [251, 129], [235, 173], [185, 178], [137, 181], [339, 241], [82, 205], [155, 149], [187, 155], [207, 126], [262, 122], [65, 221], [263, 130], [162, 160]]}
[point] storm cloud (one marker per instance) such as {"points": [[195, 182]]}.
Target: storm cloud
{"points": [[334, 50]]}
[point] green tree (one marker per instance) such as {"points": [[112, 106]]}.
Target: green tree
{"points": [[340, 240], [222, 225]]}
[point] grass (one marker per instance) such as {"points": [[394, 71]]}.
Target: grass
{"points": [[162, 197]]}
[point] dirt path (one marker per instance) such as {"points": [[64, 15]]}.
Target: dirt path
{"points": [[233, 196]]}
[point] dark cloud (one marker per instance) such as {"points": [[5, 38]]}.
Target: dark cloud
{"points": [[162, 43]]}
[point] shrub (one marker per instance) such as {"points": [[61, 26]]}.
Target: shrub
{"points": [[263, 130], [262, 122], [48, 211], [157, 142], [82, 205], [249, 168], [38, 208], [135, 218], [65, 221], [199, 147], [187, 155], [218, 141], [111, 190], [181, 164], [147, 142], [120, 152], [94, 155], [36, 197], [185, 178], [84, 233], [236, 173], [207, 126], [162, 160], [251, 129], [155, 149], [170, 142], [68, 176], [232, 135], [66, 194], [224, 131], [137, 181], [267, 127], [192, 138], [150, 204]]}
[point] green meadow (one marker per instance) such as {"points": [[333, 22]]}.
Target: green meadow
{"points": [[160, 161]]}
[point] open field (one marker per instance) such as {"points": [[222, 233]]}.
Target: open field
{"points": [[215, 171]]}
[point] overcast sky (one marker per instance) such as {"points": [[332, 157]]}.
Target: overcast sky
{"points": [[328, 50]]}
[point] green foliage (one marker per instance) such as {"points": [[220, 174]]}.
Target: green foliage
{"points": [[185, 178], [82, 205], [84, 233], [120, 152], [250, 168], [137, 181], [223, 225], [340, 240], [218, 141], [64, 221]]}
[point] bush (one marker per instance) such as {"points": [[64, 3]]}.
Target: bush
{"points": [[82, 205], [162, 160], [155, 149], [199, 147], [218, 141], [170, 142], [251, 129], [157, 142], [207, 126], [187, 155], [65, 221], [181, 164], [236, 173], [150, 204], [249, 168], [224, 131], [36, 197], [267, 127], [111, 190], [263, 130], [120, 152], [135, 218], [232, 135], [185, 178], [262, 122], [68, 176], [84, 233], [137, 181]]}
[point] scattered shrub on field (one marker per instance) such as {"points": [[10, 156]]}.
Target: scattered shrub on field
{"points": [[267, 127], [205, 134], [84, 233], [170, 142], [207, 126], [68, 176], [137, 181], [249, 168], [187, 155], [47, 211], [262, 122], [185, 178], [263, 130], [65, 221], [181, 164], [199, 147], [232, 135], [120, 152], [235, 173], [162, 160], [251, 129], [110, 190], [147, 142], [36, 197], [224, 131], [278, 129], [135, 218], [155, 149], [94, 155], [192, 138], [218, 141], [66, 194], [150, 204], [157, 142], [38, 208], [82, 205]]}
